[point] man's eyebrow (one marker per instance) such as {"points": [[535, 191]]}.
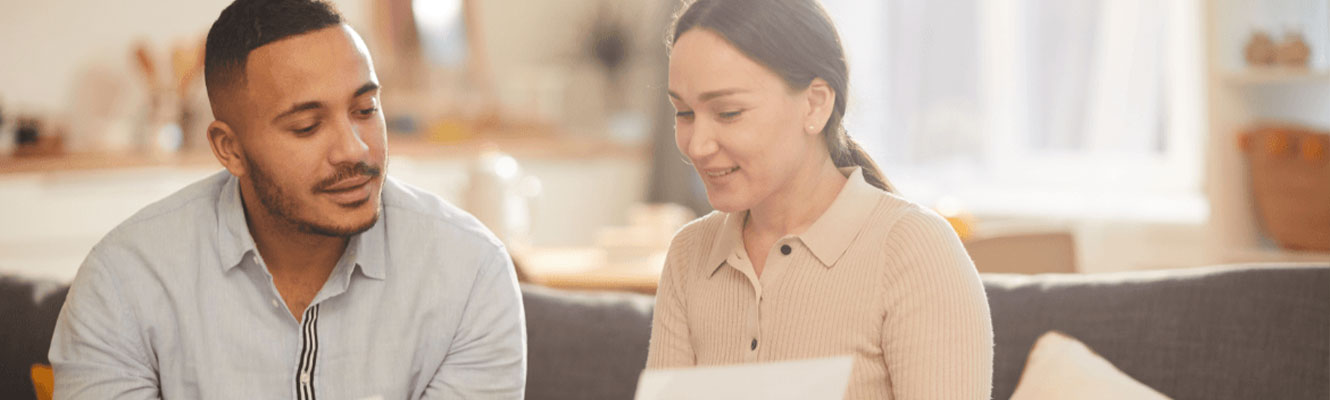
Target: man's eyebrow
{"points": [[306, 106], [314, 105], [366, 88]]}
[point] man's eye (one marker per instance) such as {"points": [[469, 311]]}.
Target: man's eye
{"points": [[306, 130], [731, 114], [368, 111], [683, 114]]}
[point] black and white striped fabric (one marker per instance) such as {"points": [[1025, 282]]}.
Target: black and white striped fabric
{"points": [[308, 354]]}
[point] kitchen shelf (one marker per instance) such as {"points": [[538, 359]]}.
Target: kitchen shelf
{"points": [[1276, 76]]}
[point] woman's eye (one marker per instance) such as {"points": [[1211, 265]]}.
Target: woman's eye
{"points": [[368, 111], [683, 114]]}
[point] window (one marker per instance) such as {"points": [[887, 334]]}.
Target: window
{"points": [[1091, 106]]}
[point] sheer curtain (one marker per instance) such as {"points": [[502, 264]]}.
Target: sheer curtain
{"points": [[1026, 93]]}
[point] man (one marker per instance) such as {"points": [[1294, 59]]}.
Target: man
{"points": [[302, 271]]}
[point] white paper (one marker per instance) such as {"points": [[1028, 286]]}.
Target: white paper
{"points": [[820, 378]]}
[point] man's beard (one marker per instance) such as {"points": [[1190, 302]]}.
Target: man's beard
{"points": [[282, 205]]}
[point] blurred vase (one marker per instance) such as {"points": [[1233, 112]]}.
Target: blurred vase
{"points": [[499, 194]]}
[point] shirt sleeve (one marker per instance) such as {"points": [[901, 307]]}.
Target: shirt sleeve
{"points": [[937, 337], [670, 344], [487, 359], [98, 350]]}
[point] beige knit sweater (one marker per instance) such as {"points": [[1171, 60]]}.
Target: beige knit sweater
{"points": [[875, 276]]}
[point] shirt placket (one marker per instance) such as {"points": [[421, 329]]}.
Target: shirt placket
{"points": [[305, 376], [752, 318], [310, 338], [776, 264], [754, 329], [309, 354]]}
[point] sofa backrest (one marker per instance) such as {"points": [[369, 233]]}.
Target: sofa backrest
{"points": [[585, 345], [28, 309], [1255, 332], [1210, 333]]}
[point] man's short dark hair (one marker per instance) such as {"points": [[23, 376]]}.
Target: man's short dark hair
{"points": [[246, 25]]}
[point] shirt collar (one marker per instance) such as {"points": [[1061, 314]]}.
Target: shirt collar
{"points": [[833, 232], [827, 238], [370, 252], [235, 242], [233, 239], [728, 241]]}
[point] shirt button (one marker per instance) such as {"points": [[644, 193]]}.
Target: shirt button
{"points": [[754, 345], [785, 249], [275, 304], [304, 377]]}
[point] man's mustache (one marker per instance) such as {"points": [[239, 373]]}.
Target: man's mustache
{"points": [[348, 171]]}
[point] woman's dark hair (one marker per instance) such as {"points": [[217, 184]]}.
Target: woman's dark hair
{"points": [[798, 41]]}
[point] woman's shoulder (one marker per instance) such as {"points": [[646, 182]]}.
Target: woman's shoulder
{"points": [[914, 238], [889, 208], [693, 244], [699, 231], [704, 224], [905, 221]]}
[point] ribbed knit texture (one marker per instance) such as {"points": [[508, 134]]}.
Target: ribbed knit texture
{"points": [[900, 294]]}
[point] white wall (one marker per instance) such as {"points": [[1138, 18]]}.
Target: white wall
{"points": [[49, 220], [44, 44], [545, 43]]}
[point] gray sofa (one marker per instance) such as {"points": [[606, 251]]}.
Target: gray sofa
{"points": [[1255, 332], [1213, 333]]}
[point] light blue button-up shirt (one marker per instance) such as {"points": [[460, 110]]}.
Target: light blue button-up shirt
{"points": [[177, 303]]}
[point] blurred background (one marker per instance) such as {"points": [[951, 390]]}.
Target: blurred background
{"points": [[1056, 135]]}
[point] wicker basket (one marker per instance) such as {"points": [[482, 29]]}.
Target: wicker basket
{"points": [[1290, 183]]}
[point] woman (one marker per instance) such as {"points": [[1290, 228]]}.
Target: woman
{"points": [[808, 254]]}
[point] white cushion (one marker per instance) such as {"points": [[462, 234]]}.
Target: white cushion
{"points": [[1061, 367]]}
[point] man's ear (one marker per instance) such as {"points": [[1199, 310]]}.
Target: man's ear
{"points": [[821, 100], [226, 147]]}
